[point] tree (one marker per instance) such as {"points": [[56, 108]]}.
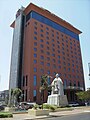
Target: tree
{"points": [[15, 93], [84, 95], [44, 86]]}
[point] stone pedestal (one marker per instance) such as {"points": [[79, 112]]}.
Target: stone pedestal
{"points": [[38, 112], [58, 100]]}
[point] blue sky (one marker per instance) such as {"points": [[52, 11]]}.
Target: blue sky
{"points": [[76, 12]]}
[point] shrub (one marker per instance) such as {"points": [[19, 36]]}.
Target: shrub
{"points": [[51, 107], [36, 106], [46, 106], [5, 115]]}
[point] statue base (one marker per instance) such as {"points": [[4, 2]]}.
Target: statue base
{"points": [[58, 100]]}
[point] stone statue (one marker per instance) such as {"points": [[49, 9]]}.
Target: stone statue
{"points": [[57, 86], [57, 96]]}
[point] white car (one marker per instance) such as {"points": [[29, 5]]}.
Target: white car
{"points": [[73, 104]]}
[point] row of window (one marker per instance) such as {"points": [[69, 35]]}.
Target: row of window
{"points": [[50, 23], [66, 82], [58, 41], [62, 49]]}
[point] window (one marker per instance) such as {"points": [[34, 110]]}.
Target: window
{"points": [[52, 35], [26, 96], [65, 83], [53, 55], [35, 69], [35, 61], [35, 38], [47, 38], [41, 30], [53, 49], [35, 55], [58, 56], [35, 49], [49, 81], [35, 28], [34, 95], [74, 83], [41, 70], [59, 61], [52, 40], [42, 63], [42, 57], [35, 43], [47, 28], [68, 69], [78, 84], [48, 58], [57, 37], [58, 42], [26, 80], [48, 72], [41, 40], [48, 53], [23, 81], [57, 33], [48, 64], [35, 80], [58, 46], [41, 46], [47, 42], [53, 45], [47, 48], [58, 51], [35, 32], [59, 67], [54, 66], [41, 35], [41, 25], [47, 33], [42, 51], [68, 64]]}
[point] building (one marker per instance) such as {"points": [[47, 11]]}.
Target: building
{"points": [[43, 43], [4, 96]]}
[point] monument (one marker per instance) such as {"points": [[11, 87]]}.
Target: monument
{"points": [[57, 96]]}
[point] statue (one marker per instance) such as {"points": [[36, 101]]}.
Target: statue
{"points": [[57, 96], [57, 86]]}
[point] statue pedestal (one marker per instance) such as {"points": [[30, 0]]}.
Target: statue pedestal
{"points": [[58, 100]]}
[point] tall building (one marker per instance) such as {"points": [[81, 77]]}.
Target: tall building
{"points": [[43, 44]]}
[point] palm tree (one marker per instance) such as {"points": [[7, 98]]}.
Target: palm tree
{"points": [[15, 93], [44, 86]]}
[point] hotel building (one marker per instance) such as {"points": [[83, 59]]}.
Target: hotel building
{"points": [[43, 43]]}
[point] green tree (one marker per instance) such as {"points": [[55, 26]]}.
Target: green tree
{"points": [[44, 86], [84, 95], [15, 93]]}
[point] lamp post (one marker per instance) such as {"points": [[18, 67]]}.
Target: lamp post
{"points": [[89, 70]]}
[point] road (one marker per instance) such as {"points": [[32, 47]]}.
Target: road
{"points": [[81, 116]]}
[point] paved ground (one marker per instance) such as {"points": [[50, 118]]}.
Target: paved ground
{"points": [[52, 114]]}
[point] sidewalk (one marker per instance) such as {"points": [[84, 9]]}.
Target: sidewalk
{"points": [[25, 116]]}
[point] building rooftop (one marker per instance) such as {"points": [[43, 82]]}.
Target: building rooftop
{"points": [[49, 15]]}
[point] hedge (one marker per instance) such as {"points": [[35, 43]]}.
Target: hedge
{"points": [[5, 115]]}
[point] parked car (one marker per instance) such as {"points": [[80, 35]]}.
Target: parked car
{"points": [[73, 104], [25, 105], [1, 107]]}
